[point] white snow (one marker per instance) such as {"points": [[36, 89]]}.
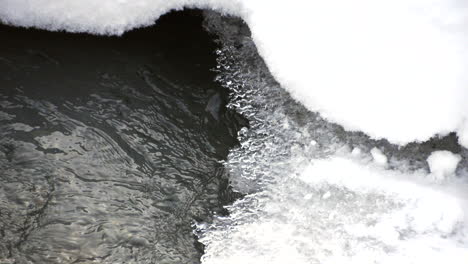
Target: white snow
{"points": [[442, 164], [379, 157], [97, 17], [352, 212], [357, 152], [463, 134], [392, 69]]}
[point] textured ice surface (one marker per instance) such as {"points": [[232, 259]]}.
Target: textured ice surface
{"points": [[394, 70], [316, 194], [342, 211]]}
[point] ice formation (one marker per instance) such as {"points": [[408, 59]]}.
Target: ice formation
{"points": [[317, 195], [343, 211], [394, 70]]}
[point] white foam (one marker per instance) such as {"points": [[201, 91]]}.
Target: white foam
{"points": [[392, 69]]}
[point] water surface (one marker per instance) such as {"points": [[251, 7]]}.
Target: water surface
{"points": [[110, 147]]}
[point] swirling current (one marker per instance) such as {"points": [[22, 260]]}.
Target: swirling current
{"points": [[111, 147]]}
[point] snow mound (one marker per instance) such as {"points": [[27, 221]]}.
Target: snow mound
{"points": [[443, 164], [112, 17], [392, 69], [379, 157]]}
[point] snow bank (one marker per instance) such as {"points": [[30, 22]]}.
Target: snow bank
{"points": [[98, 17], [392, 69]]}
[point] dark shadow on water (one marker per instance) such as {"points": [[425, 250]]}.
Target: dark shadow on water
{"points": [[110, 146]]}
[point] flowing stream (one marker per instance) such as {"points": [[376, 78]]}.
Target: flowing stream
{"points": [[110, 147]]}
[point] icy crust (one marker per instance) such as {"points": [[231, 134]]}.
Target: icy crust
{"points": [[392, 69], [339, 210], [317, 194]]}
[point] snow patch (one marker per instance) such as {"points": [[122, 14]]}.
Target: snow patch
{"points": [[442, 164], [379, 157]]}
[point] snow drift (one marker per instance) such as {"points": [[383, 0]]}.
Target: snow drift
{"points": [[394, 70]]}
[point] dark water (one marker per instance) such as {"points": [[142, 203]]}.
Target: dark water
{"points": [[110, 148]]}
